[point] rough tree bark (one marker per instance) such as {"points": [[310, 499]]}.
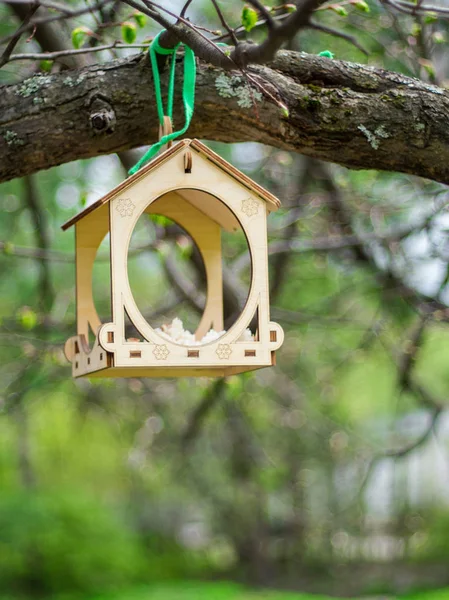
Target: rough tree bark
{"points": [[357, 116]]}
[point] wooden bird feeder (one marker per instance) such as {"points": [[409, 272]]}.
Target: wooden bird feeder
{"points": [[202, 193]]}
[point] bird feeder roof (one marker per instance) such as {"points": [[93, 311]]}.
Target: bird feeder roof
{"points": [[272, 202]]}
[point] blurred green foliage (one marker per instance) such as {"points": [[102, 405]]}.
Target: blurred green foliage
{"points": [[65, 542], [195, 590], [107, 486]]}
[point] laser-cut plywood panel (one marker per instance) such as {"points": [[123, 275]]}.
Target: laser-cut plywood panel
{"points": [[204, 194]]}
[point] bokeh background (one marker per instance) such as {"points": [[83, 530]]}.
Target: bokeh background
{"points": [[328, 473]]}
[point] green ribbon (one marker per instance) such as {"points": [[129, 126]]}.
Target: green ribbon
{"points": [[327, 54], [188, 94]]}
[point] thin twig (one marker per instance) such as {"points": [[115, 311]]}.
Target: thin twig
{"points": [[401, 452], [411, 9], [184, 8], [46, 4], [11, 250], [16, 37], [335, 32], [407, 359], [87, 50], [223, 21], [241, 30]]}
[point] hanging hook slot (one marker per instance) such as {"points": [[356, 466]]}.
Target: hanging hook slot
{"points": [[188, 162]]}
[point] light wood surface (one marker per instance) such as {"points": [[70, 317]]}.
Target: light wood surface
{"points": [[203, 199], [89, 233], [217, 211]]}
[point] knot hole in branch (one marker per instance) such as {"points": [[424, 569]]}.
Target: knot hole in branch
{"points": [[101, 115]]}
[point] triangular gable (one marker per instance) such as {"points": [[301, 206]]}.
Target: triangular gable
{"points": [[272, 202]]}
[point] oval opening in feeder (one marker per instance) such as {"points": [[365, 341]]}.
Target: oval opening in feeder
{"points": [[190, 240], [165, 269]]}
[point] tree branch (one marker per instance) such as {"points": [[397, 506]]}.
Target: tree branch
{"points": [[38, 217], [213, 394], [360, 117], [344, 36]]}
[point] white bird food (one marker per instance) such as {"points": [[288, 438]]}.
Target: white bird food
{"points": [[175, 332]]}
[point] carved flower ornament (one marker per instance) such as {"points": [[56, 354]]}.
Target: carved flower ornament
{"points": [[161, 352], [250, 207], [125, 206], [223, 351]]}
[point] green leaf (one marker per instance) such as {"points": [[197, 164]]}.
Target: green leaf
{"points": [[428, 66], [184, 246], [249, 17], [78, 36], [430, 18], [46, 65], [8, 248], [140, 19], [416, 30], [129, 32], [27, 318], [234, 387], [285, 111], [362, 5], [340, 10]]}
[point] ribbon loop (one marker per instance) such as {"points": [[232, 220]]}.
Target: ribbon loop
{"points": [[188, 94]]}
